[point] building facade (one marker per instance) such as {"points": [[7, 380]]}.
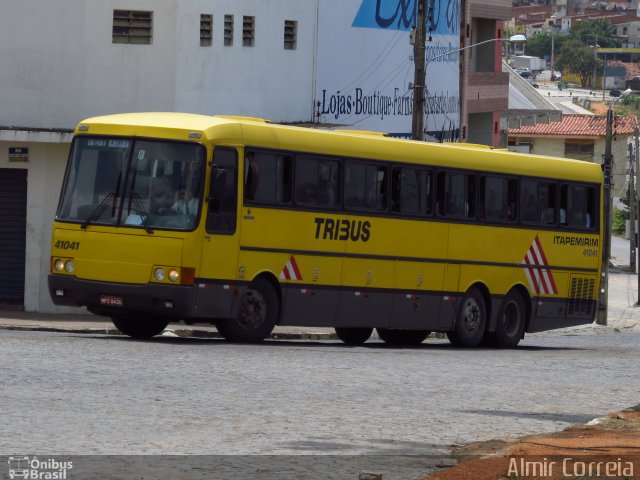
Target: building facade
{"points": [[484, 86]]}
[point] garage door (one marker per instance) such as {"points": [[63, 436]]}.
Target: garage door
{"points": [[13, 225]]}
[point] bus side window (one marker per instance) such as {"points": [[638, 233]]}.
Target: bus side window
{"points": [[529, 209], [459, 194], [410, 191], [547, 203], [268, 178], [365, 186], [581, 206], [317, 182], [223, 192]]}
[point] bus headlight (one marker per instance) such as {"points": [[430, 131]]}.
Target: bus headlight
{"points": [[173, 275], [158, 274], [63, 265]]}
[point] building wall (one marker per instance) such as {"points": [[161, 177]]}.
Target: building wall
{"points": [[48, 153], [482, 91], [64, 66]]}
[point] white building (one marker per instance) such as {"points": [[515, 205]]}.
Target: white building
{"points": [[63, 61]]}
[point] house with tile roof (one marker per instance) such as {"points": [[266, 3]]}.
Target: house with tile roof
{"points": [[580, 137]]}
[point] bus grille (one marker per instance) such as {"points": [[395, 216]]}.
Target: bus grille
{"points": [[581, 301]]}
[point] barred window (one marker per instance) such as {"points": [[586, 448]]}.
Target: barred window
{"points": [[228, 30], [248, 31], [290, 34], [206, 30], [131, 26]]}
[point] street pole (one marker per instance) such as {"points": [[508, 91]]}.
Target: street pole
{"points": [[636, 133], [553, 58], [604, 76], [607, 166], [633, 214], [419, 48]]}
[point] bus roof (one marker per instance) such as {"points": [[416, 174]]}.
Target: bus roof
{"points": [[235, 130]]}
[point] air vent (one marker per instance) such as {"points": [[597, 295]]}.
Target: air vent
{"points": [[581, 297]]}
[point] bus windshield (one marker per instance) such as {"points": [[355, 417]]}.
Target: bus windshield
{"points": [[133, 183]]}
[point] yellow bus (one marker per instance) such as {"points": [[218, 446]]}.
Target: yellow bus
{"points": [[243, 224]]}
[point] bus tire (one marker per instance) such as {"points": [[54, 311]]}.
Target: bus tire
{"points": [[140, 327], [471, 321], [257, 315], [512, 320], [402, 337], [354, 336]]}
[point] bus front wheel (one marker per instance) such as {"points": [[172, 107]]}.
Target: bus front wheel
{"points": [[471, 321], [402, 337], [140, 327], [354, 336], [257, 315]]}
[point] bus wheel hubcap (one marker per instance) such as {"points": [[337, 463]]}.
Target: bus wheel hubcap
{"points": [[471, 315], [253, 310]]}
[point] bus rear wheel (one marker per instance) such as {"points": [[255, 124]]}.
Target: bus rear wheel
{"points": [[354, 336], [140, 327], [471, 320], [511, 322], [257, 315], [402, 337]]}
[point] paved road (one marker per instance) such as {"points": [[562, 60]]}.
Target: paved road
{"points": [[83, 394]]}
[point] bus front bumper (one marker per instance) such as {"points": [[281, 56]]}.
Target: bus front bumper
{"points": [[112, 299]]}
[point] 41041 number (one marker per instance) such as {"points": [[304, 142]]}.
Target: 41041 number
{"points": [[67, 245]]}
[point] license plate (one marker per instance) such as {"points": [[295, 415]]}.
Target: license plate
{"points": [[111, 301]]}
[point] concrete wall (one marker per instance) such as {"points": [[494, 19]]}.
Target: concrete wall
{"points": [[265, 80], [48, 153], [59, 64]]}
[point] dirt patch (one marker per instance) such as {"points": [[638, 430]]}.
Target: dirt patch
{"points": [[599, 108], [608, 447]]}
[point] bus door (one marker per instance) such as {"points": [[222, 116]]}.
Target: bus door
{"points": [[219, 260]]}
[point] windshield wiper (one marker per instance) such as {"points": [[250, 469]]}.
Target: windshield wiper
{"points": [[139, 207], [104, 204], [99, 210]]}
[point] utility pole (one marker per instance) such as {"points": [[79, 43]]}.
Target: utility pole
{"points": [[633, 214], [419, 79], [607, 167], [636, 133]]}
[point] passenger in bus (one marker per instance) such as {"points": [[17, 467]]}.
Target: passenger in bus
{"points": [[162, 198]]}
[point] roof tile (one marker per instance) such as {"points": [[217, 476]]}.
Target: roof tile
{"points": [[573, 125]]}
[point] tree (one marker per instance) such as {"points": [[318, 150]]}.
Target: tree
{"points": [[539, 45], [578, 58], [600, 29]]}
